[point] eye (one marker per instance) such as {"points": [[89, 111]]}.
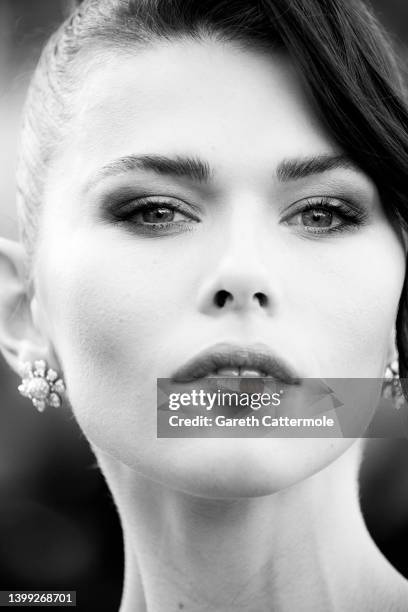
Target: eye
{"points": [[324, 215], [317, 217], [156, 215]]}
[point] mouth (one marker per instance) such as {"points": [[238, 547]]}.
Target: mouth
{"points": [[228, 360]]}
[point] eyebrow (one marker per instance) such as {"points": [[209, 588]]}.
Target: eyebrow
{"points": [[294, 169], [198, 170], [192, 168]]}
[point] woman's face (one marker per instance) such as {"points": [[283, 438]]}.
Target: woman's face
{"points": [[190, 168]]}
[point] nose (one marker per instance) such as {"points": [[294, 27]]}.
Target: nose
{"points": [[241, 282], [233, 289]]}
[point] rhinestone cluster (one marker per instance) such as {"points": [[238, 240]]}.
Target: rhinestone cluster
{"points": [[392, 387], [41, 385]]}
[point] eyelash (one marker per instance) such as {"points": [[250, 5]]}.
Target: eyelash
{"points": [[144, 205], [352, 217]]}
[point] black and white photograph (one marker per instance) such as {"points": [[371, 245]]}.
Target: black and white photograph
{"points": [[204, 305]]}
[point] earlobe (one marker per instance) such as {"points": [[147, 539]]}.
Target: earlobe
{"points": [[20, 340]]}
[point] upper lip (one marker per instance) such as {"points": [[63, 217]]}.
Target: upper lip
{"points": [[223, 355]]}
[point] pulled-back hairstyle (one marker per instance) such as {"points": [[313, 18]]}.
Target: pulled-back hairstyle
{"points": [[342, 54]]}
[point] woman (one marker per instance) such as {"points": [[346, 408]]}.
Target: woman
{"points": [[218, 182]]}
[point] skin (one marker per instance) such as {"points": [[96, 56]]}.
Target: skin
{"points": [[116, 305]]}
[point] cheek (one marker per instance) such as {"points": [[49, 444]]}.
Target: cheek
{"points": [[352, 303], [107, 297], [112, 310]]}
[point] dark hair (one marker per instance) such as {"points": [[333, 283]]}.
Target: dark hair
{"points": [[345, 59]]}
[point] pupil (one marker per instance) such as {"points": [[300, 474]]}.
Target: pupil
{"points": [[158, 215], [317, 218]]}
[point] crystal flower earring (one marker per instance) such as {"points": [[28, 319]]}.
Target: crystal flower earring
{"points": [[41, 384], [392, 389]]}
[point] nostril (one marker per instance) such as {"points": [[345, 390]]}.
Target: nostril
{"points": [[262, 298], [221, 298]]}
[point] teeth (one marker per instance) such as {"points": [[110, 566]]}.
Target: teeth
{"points": [[230, 372], [250, 373]]}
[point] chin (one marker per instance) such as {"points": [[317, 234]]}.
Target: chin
{"points": [[241, 468]]}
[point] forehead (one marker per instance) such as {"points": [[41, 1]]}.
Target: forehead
{"points": [[194, 97]]}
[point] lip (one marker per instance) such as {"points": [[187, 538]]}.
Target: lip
{"points": [[255, 357]]}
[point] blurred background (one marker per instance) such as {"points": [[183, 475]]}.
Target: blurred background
{"points": [[58, 525]]}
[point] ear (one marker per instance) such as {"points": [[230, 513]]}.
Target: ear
{"points": [[392, 353], [20, 338]]}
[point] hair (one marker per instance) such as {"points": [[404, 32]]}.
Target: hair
{"points": [[342, 54]]}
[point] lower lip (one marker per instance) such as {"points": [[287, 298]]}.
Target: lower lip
{"points": [[230, 385]]}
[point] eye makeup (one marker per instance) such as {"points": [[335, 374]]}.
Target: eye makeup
{"points": [[318, 215]]}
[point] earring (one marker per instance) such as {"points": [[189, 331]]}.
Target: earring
{"points": [[41, 384], [392, 389]]}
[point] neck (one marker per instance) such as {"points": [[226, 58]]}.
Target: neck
{"points": [[307, 543]]}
